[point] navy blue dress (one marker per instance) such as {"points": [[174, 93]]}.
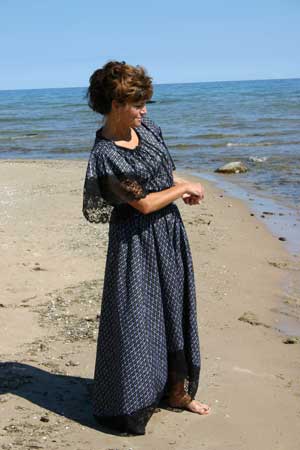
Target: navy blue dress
{"points": [[148, 322]]}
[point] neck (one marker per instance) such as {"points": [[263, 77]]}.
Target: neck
{"points": [[116, 131]]}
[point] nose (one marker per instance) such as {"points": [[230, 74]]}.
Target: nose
{"points": [[143, 110]]}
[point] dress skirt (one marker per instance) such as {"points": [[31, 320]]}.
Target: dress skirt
{"points": [[148, 322]]}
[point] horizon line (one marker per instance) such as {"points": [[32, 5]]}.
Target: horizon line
{"points": [[158, 84]]}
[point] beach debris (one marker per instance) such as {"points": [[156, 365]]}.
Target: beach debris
{"points": [[200, 221], [281, 238], [232, 167], [72, 312], [252, 319], [278, 265], [291, 340], [268, 213], [2, 305]]}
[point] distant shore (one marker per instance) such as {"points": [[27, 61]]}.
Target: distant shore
{"points": [[52, 268]]}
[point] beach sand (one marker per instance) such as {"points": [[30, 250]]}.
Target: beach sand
{"points": [[52, 268]]}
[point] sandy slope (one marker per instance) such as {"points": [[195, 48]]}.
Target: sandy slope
{"points": [[52, 266]]}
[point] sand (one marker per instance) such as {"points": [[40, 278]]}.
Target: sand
{"points": [[52, 268]]}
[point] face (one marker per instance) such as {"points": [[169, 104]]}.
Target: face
{"points": [[131, 114]]}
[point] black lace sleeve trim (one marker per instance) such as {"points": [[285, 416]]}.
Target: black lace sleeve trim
{"points": [[101, 195]]}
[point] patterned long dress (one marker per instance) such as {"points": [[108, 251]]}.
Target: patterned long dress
{"points": [[148, 321]]}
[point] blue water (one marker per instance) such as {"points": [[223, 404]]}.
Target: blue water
{"points": [[205, 125]]}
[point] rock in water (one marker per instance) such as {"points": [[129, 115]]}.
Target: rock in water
{"points": [[233, 167]]}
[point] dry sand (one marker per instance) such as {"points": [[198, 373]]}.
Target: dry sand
{"points": [[52, 267]]}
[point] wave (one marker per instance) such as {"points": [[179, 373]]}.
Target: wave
{"points": [[214, 136], [260, 144], [258, 159], [278, 119], [184, 146], [70, 150], [21, 136]]}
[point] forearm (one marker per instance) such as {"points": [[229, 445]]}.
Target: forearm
{"points": [[157, 200]]}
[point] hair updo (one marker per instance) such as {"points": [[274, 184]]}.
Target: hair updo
{"points": [[118, 81]]}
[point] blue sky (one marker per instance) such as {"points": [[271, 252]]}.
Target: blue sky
{"points": [[59, 43]]}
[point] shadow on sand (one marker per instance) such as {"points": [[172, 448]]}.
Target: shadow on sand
{"points": [[65, 395]]}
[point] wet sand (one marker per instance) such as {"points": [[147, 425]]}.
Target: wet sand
{"points": [[52, 269]]}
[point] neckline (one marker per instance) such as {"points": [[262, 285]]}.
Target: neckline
{"points": [[121, 147]]}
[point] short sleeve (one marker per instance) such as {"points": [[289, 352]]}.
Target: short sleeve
{"points": [[156, 130], [109, 181]]}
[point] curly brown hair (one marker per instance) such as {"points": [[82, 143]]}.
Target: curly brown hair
{"points": [[118, 81]]}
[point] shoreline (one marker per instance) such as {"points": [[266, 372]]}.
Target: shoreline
{"points": [[280, 218], [53, 267]]}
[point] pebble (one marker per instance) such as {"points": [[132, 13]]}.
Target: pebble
{"points": [[281, 238], [44, 419], [72, 363], [291, 340]]}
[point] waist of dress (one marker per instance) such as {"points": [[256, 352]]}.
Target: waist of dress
{"points": [[125, 213]]}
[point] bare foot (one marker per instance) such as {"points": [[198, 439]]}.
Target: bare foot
{"points": [[198, 407]]}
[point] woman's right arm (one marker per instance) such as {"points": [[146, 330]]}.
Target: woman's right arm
{"points": [[157, 200]]}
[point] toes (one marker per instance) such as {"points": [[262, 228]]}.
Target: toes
{"points": [[199, 408], [202, 408]]}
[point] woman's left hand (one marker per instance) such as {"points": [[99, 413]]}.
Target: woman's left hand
{"points": [[191, 199]]}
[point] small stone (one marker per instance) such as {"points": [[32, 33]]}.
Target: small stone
{"points": [[72, 363], [44, 419], [291, 340], [281, 238], [252, 214], [43, 347]]}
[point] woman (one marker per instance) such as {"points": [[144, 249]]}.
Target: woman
{"points": [[148, 346]]}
